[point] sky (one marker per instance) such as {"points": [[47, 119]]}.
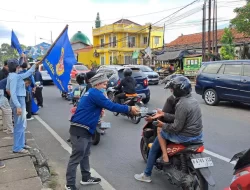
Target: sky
{"points": [[35, 19]]}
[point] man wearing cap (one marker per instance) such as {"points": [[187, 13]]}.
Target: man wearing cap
{"points": [[83, 126]]}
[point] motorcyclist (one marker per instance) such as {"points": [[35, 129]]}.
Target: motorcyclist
{"points": [[187, 125], [127, 85], [80, 79]]}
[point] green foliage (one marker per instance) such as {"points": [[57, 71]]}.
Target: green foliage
{"points": [[227, 49], [7, 52], [242, 20]]}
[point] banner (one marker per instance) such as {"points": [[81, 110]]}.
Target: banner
{"points": [[15, 43], [59, 61]]}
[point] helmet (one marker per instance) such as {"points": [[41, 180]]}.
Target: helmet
{"points": [[12, 65], [127, 72], [89, 75], [80, 78], [181, 86], [168, 80]]}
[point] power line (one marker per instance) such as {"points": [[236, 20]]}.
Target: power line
{"points": [[122, 39]]}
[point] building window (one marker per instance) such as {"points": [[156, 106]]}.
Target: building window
{"points": [[110, 60], [102, 61], [157, 40], [102, 42], [131, 41], [145, 40], [114, 41]]}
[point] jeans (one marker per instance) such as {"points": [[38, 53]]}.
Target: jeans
{"points": [[20, 124], [80, 155], [152, 156], [156, 148]]}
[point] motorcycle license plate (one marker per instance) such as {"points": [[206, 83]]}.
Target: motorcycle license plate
{"points": [[202, 162], [143, 111], [105, 125]]}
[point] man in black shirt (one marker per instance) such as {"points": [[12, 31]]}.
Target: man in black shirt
{"points": [[127, 85], [3, 75]]}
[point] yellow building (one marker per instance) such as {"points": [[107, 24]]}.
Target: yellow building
{"points": [[116, 43]]}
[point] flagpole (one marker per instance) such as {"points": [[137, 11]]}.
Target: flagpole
{"points": [[52, 45]]}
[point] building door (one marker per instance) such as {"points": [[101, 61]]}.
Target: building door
{"points": [[128, 60], [102, 61]]}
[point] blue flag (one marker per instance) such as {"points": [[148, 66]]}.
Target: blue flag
{"points": [[15, 43], [59, 61], [34, 106]]}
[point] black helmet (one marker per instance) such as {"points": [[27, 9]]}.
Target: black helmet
{"points": [[89, 75], [181, 86], [169, 78], [80, 78], [127, 72], [12, 65]]}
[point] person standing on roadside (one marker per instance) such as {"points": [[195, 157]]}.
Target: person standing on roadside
{"points": [[16, 87], [83, 126], [3, 75], [39, 87]]}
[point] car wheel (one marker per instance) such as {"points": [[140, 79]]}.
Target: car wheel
{"points": [[146, 100], [211, 97]]}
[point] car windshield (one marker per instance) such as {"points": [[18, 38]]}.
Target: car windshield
{"points": [[146, 69], [81, 67]]}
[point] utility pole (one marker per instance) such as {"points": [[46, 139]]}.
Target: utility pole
{"points": [[163, 37], [209, 25], [204, 31], [149, 34], [216, 28], [213, 41]]}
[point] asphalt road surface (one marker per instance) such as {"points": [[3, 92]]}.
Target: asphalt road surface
{"points": [[117, 158]]}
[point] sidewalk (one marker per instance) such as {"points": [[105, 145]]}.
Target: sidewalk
{"points": [[20, 172]]}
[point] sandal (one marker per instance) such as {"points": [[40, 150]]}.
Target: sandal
{"points": [[23, 151], [161, 161]]}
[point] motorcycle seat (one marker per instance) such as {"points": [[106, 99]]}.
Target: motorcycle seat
{"points": [[131, 95], [199, 142]]}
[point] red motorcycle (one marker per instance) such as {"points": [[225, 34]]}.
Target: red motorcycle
{"points": [[241, 179], [189, 168]]}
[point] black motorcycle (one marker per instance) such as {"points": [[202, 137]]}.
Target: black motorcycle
{"points": [[131, 100], [189, 168]]}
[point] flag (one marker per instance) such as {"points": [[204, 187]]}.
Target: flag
{"points": [[15, 43], [59, 61], [34, 106]]}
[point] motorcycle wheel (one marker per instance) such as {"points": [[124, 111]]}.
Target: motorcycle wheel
{"points": [[135, 119], [96, 138], [200, 183], [144, 149]]}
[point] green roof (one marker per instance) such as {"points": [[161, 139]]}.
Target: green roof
{"points": [[80, 37]]}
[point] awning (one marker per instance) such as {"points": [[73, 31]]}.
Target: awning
{"points": [[169, 56]]}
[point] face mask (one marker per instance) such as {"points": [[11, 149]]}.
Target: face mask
{"points": [[102, 90]]}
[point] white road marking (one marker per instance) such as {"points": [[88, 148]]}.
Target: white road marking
{"points": [[104, 183], [219, 157]]}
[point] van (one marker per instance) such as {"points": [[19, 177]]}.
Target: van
{"points": [[224, 81]]}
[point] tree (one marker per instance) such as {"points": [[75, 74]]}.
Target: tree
{"points": [[242, 20], [7, 52], [227, 49]]}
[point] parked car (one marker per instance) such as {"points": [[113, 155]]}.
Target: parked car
{"points": [[111, 66], [116, 75], [78, 68], [224, 81], [45, 75], [153, 77]]}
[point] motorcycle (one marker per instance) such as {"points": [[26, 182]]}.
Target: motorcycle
{"points": [[241, 179], [131, 100], [66, 95], [189, 168]]}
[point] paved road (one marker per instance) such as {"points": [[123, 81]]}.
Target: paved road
{"points": [[117, 158]]}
